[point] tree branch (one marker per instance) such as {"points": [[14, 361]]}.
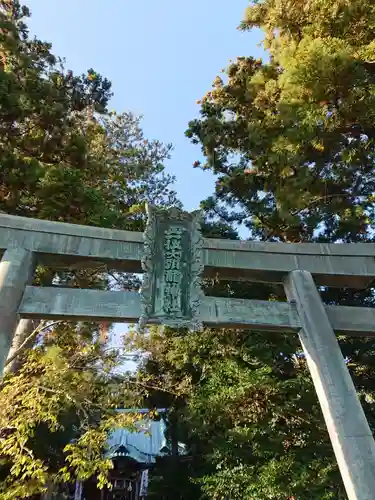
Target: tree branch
{"points": [[42, 326]]}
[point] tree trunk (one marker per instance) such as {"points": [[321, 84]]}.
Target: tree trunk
{"points": [[24, 328], [48, 495], [173, 434]]}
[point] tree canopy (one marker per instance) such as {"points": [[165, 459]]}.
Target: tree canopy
{"points": [[290, 139], [291, 143], [65, 157]]}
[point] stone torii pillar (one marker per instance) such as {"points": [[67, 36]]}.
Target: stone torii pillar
{"points": [[350, 434], [174, 256], [16, 271]]}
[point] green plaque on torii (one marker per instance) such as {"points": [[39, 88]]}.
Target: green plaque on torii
{"points": [[171, 290], [171, 295]]}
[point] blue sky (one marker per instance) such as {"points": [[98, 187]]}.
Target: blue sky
{"points": [[161, 58]]}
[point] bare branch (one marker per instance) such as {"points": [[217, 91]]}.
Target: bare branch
{"points": [[40, 328]]}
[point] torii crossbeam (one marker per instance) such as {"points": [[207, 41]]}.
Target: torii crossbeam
{"points": [[174, 256]]}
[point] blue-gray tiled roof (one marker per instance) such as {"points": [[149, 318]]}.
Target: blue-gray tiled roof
{"points": [[144, 445]]}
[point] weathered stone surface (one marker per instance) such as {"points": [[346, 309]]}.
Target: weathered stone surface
{"points": [[174, 255], [350, 265], [172, 262], [12, 222], [16, 270], [72, 245], [67, 303], [349, 431], [330, 270]]}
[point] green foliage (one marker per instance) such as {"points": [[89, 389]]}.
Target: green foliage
{"points": [[246, 411], [56, 413], [291, 141], [64, 156], [300, 127]]}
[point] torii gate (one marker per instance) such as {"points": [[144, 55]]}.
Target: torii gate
{"points": [[173, 256]]}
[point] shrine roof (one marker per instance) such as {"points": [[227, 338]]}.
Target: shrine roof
{"points": [[144, 445]]}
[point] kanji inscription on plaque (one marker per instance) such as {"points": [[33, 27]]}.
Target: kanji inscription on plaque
{"points": [[171, 291]]}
